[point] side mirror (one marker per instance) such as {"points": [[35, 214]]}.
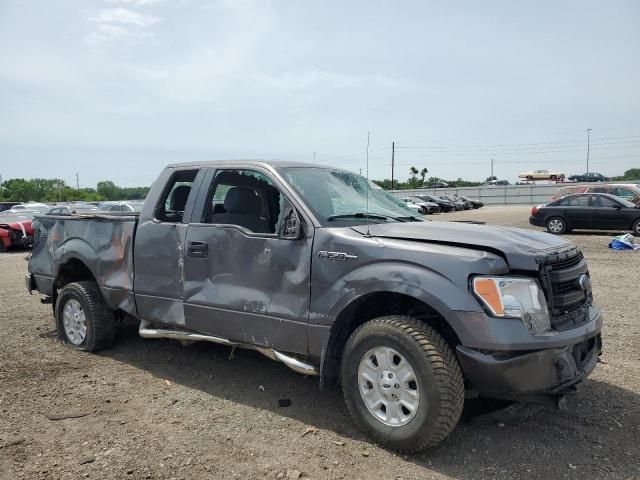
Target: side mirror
{"points": [[291, 228], [617, 207]]}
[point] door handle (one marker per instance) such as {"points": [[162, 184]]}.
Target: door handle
{"points": [[198, 249]]}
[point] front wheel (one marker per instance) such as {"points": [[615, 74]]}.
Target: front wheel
{"points": [[402, 383], [84, 321], [636, 228], [556, 225]]}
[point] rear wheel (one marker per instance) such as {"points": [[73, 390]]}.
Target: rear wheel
{"points": [[84, 321], [556, 225], [636, 228], [402, 383]]}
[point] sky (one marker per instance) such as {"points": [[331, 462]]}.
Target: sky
{"points": [[116, 89]]}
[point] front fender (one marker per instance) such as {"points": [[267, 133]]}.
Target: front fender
{"points": [[416, 281]]}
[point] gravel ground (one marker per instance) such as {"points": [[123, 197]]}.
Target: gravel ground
{"points": [[156, 409]]}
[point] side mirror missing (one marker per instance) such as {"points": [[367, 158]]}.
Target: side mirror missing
{"points": [[291, 228]]}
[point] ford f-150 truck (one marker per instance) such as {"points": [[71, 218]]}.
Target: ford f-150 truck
{"points": [[323, 271]]}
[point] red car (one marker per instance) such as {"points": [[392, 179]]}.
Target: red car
{"points": [[16, 231]]}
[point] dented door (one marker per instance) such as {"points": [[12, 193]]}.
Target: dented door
{"points": [[249, 288]]}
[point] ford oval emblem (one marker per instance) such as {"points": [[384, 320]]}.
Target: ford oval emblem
{"points": [[584, 281]]}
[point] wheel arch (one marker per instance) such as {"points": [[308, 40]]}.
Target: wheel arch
{"points": [[370, 306], [73, 269]]}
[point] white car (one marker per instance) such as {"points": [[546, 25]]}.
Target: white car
{"points": [[541, 175], [413, 206]]}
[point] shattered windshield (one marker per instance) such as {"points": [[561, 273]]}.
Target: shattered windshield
{"points": [[340, 196]]}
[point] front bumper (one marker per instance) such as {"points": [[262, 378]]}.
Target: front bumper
{"points": [[548, 371]]}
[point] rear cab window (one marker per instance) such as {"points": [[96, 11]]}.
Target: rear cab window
{"points": [[172, 203]]}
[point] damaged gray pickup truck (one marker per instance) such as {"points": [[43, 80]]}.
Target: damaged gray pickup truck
{"points": [[323, 271]]}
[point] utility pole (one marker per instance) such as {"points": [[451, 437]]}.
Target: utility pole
{"points": [[492, 169], [360, 172], [77, 181], [588, 142], [393, 160], [314, 157]]}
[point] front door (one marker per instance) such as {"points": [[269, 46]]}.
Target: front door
{"points": [[243, 281], [608, 214]]}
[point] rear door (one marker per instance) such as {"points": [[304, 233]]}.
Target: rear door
{"points": [[160, 245], [243, 280], [577, 211]]}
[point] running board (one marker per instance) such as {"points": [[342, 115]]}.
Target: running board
{"points": [[146, 331]]}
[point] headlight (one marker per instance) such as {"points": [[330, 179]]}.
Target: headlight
{"points": [[514, 298]]}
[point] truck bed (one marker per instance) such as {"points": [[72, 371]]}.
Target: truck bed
{"points": [[102, 243]]}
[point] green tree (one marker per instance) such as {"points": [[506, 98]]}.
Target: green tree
{"points": [[109, 190], [423, 173]]}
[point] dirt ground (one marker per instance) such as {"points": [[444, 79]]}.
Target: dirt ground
{"points": [[155, 409]]}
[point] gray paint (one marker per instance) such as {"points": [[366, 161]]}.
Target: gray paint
{"points": [[284, 294]]}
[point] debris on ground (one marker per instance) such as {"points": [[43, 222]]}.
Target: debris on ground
{"points": [[624, 242], [338, 443], [294, 474], [312, 430], [86, 459], [69, 414]]}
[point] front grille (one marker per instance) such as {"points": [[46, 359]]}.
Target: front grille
{"points": [[562, 287], [566, 262], [568, 301]]}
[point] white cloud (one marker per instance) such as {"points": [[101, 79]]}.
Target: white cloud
{"points": [[126, 17]]}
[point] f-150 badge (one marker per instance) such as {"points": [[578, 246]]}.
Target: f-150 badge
{"points": [[336, 255]]}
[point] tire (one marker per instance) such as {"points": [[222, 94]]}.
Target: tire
{"points": [[83, 300], [636, 228], [556, 225], [433, 364]]}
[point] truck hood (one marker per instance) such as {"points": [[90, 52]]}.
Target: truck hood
{"points": [[522, 249]]}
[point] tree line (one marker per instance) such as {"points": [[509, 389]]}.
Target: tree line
{"points": [[418, 178], [56, 190]]}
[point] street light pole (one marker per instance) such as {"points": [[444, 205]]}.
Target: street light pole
{"points": [[588, 144]]}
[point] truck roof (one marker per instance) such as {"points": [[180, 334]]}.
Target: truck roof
{"points": [[265, 163]]}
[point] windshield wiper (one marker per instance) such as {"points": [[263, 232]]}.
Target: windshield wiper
{"points": [[373, 216]]}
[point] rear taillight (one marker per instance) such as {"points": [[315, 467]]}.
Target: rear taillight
{"points": [[534, 210]]}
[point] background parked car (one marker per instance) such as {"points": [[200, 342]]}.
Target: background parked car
{"points": [[497, 183], [461, 204], [474, 203], [428, 207], [411, 205], [123, 206], [589, 177], [590, 211], [445, 205], [541, 175], [627, 191], [16, 230], [72, 209], [438, 185]]}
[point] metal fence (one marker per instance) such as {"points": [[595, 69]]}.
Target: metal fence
{"points": [[499, 195]]}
